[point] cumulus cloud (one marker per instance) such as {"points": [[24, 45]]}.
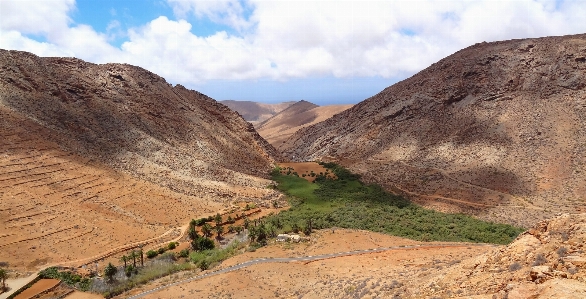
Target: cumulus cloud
{"points": [[283, 39]]}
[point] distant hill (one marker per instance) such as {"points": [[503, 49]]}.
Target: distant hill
{"points": [[255, 112], [299, 115], [496, 129]]}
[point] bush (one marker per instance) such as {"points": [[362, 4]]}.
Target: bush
{"points": [[514, 267], [172, 245], [184, 253], [151, 254], [539, 260], [202, 243], [562, 251], [161, 250]]}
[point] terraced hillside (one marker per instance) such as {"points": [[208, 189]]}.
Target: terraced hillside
{"points": [[93, 157], [496, 129]]}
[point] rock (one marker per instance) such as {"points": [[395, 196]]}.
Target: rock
{"points": [[539, 274]]}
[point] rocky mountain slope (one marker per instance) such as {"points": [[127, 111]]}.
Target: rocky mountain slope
{"points": [[255, 112], [547, 261], [496, 129], [110, 154], [297, 116]]}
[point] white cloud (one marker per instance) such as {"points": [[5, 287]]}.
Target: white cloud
{"points": [[226, 12], [291, 39]]}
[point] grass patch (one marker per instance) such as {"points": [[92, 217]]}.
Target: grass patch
{"points": [[348, 203], [210, 258], [159, 268]]}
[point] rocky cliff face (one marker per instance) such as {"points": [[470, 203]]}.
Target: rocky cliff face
{"points": [[496, 129], [135, 121]]}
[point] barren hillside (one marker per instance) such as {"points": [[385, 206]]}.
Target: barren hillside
{"points": [[255, 112], [96, 156], [496, 129], [297, 116]]}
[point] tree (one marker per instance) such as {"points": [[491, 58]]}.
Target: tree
{"points": [[230, 220], [128, 270], [218, 219], [202, 243], [219, 231], [206, 229], [110, 271], [246, 223], [192, 224], [238, 229], [308, 228], [192, 234], [141, 252], [3, 277], [231, 228], [133, 256], [124, 259]]}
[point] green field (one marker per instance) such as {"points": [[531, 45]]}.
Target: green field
{"points": [[349, 203]]}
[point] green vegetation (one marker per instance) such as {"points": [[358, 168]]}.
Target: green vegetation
{"points": [[348, 203], [3, 277], [67, 277], [209, 258]]}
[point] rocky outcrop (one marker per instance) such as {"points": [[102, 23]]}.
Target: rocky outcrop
{"points": [[133, 120], [496, 130], [547, 261]]}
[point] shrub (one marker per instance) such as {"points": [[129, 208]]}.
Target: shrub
{"points": [[172, 245], [151, 254], [539, 260], [184, 253], [562, 251], [514, 267], [161, 250]]}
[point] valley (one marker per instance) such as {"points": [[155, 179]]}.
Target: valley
{"points": [[464, 180]]}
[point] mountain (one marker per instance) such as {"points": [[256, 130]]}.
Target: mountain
{"points": [[255, 112], [96, 156], [496, 130], [299, 115]]}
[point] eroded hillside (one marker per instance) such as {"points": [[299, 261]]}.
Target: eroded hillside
{"points": [[96, 156], [302, 114], [496, 129]]}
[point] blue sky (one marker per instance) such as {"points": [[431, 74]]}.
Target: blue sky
{"points": [[323, 51]]}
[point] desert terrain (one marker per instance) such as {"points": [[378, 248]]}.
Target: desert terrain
{"points": [[545, 262], [277, 129], [255, 112], [495, 130]]}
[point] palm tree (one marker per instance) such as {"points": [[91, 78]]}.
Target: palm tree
{"points": [[141, 252], [218, 219], [219, 230], [124, 259], [3, 276], [110, 271], [192, 234], [192, 224], [133, 256], [206, 229]]}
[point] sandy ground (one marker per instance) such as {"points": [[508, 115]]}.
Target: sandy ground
{"points": [[369, 275]]}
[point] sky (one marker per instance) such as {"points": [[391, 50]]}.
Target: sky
{"points": [[326, 52]]}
